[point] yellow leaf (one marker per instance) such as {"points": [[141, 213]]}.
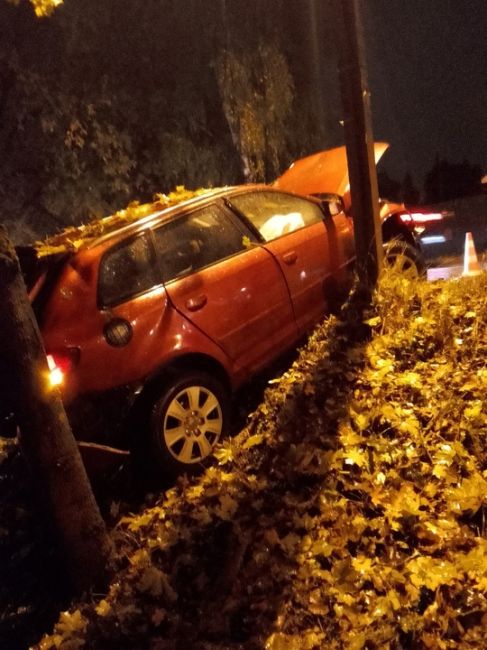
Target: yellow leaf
{"points": [[356, 457], [321, 547], [140, 558], [307, 640], [433, 641], [474, 410], [410, 379], [394, 599], [431, 572], [223, 454], [70, 623], [254, 440], [43, 250], [404, 501], [44, 8], [382, 607], [410, 426], [290, 543], [75, 244], [362, 564], [469, 495], [227, 507], [361, 420], [475, 560], [194, 491], [155, 582], [373, 322], [103, 608]]}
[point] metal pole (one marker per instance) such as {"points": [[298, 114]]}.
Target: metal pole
{"points": [[359, 140]]}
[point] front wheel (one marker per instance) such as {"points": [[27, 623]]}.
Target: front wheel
{"points": [[187, 421], [403, 259]]}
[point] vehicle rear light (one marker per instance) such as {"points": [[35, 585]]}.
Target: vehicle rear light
{"points": [[425, 217], [420, 217], [407, 219], [60, 364]]}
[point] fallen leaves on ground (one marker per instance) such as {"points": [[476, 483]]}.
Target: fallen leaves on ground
{"points": [[349, 513]]}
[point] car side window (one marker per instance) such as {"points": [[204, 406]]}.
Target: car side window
{"points": [[126, 270], [196, 240], [275, 214]]}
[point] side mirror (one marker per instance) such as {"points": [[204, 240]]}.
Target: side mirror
{"points": [[331, 204]]}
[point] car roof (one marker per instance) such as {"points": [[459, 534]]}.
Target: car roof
{"points": [[132, 218]]}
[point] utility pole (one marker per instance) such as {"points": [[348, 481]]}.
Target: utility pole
{"points": [[359, 140]]}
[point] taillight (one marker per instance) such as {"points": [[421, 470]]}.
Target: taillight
{"points": [[410, 218], [60, 364], [407, 219], [425, 217]]}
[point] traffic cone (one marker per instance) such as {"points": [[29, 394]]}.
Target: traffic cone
{"points": [[471, 264]]}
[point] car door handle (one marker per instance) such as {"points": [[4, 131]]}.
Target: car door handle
{"points": [[193, 304], [290, 258]]}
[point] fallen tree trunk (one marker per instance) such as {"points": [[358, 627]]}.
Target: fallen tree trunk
{"points": [[45, 435]]}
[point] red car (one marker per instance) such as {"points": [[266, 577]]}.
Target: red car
{"points": [[153, 323], [432, 226]]}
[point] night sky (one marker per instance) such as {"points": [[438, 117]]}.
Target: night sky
{"points": [[427, 68]]}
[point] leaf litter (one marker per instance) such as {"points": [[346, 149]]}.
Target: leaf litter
{"points": [[348, 513]]}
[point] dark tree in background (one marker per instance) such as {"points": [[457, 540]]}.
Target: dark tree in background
{"points": [[388, 187], [409, 193], [446, 181], [109, 101]]}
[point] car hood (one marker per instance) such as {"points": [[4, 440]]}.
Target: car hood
{"points": [[325, 172]]}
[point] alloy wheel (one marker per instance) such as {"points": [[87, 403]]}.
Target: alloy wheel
{"points": [[192, 424]]}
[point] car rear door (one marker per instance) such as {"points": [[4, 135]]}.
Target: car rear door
{"points": [[232, 291]]}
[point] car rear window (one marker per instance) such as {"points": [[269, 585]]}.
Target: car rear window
{"points": [[196, 240], [126, 271], [275, 214]]}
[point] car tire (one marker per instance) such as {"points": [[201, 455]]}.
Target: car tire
{"points": [[403, 259], [187, 420]]}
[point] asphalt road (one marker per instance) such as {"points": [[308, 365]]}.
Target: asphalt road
{"points": [[447, 272]]}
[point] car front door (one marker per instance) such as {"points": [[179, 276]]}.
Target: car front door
{"points": [[298, 235], [231, 290]]}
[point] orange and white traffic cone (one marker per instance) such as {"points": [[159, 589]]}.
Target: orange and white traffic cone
{"points": [[471, 264]]}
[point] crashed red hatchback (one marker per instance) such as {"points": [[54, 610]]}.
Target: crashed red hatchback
{"points": [[152, 323]]}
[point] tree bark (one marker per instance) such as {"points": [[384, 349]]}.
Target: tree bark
{"points": [[46, 439]]}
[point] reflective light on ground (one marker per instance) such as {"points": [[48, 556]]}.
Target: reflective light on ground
{"points": [[433, 239]]}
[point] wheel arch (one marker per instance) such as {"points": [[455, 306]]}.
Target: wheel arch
{"points": [[193, 362], [393, 228]]}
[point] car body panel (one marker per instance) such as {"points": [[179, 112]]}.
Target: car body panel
{"points": [[159, 335], [322, 172], [304, 259], [242, 303]]}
